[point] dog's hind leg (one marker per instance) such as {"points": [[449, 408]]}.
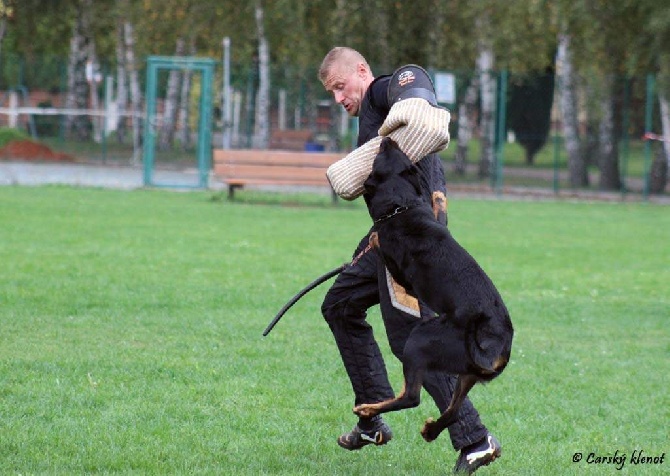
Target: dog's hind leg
{"points": [[432, 428], [409, 396]]}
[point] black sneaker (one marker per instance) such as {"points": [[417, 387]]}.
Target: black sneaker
{"points": [[356, 439], [477, 455]]}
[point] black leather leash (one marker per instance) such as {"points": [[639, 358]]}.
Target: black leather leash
{"points": [[308, 288]]}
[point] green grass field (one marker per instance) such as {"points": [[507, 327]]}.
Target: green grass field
{"points": [[131, 339]]}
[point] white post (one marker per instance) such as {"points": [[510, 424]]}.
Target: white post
{"points": [[93, 78], [111, 116], [226, 107], [13, 105], [344, 122], [297, 118], [237, 104], [665, 125], [282, 109]]}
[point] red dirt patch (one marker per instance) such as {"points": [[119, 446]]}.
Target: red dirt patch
{"points": [[29, 150]]}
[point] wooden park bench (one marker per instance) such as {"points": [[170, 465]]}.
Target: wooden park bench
{"points": [[240, 167]]}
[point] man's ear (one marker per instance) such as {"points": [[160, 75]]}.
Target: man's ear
{"points": [[362, 70]]}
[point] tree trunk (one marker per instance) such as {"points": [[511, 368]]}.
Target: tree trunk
{"points": [[608, 152], [135, 93], [488, 103], [665, 124], [78, 126], [184, 129], [377, 40], [168, 123], [434, 46], [658, 179], [658, 175], [3, 31], [577, 169], [93, 77], [121, 89], [465, 110], [262, 131], [340, 19]]}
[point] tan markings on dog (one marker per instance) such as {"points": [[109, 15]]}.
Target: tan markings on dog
{"points": [[400, 299], [439, 203], [371, 409], [487, 371], [499, 362], [374, 239], [404, 298]]}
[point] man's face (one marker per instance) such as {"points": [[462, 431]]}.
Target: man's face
{"points": [[348, 87]]}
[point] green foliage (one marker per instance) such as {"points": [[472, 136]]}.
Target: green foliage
{"points": [[438, 34], [8, 134], [131, 336]]}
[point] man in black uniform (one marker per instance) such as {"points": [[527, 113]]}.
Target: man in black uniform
{"points": [[345, 73]]}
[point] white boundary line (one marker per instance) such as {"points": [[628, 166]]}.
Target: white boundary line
{"points": [[51, 111]]}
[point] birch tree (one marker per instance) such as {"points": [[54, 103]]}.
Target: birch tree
{"points": [[262, 123], [121, 82], [665, 124], [466, 112], [77, 97], [379, 41], [170, 105], [608, 139], [135, 92], [184, 116], [658, 31], [660, 166], [577, 169], [487, 85], [434, 45]]}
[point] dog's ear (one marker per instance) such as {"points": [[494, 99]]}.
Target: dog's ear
{"points": [[411, 175], [395, 157], [384, 163], [403, 166], [389, 162]]}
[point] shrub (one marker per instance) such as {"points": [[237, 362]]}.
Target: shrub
{"points": [[8, 134]]}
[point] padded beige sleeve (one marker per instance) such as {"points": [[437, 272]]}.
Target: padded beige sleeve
{"points": [[417, 127], [347, 175]]}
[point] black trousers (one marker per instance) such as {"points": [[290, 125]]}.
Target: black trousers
{"points": [[355, 290]]}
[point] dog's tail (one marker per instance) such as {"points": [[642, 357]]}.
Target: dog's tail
{"points": [[488, 345]]}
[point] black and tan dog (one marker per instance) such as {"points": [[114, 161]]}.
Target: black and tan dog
{"points": [[471, 334]]}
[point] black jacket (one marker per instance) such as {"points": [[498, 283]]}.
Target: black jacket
{"points": [[373, 111]]}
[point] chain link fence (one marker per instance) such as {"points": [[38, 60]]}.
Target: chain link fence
{"points": [[522, 147]]}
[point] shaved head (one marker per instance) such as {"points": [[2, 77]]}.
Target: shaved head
{"points": [[345, 73], [343, 59]]}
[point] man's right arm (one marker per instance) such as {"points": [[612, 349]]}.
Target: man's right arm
{"points": [[415, 122]]}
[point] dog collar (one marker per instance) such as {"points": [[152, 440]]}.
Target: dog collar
{"points": [[395, 212]]}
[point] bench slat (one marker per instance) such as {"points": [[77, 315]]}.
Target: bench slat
{"points": [[270, 172], [256, 181], [279, 157]]}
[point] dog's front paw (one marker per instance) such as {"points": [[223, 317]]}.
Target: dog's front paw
{"points": [[365, 411], [430, 430]]}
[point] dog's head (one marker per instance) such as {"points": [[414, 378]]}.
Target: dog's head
{"points": [[394, 181]]}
